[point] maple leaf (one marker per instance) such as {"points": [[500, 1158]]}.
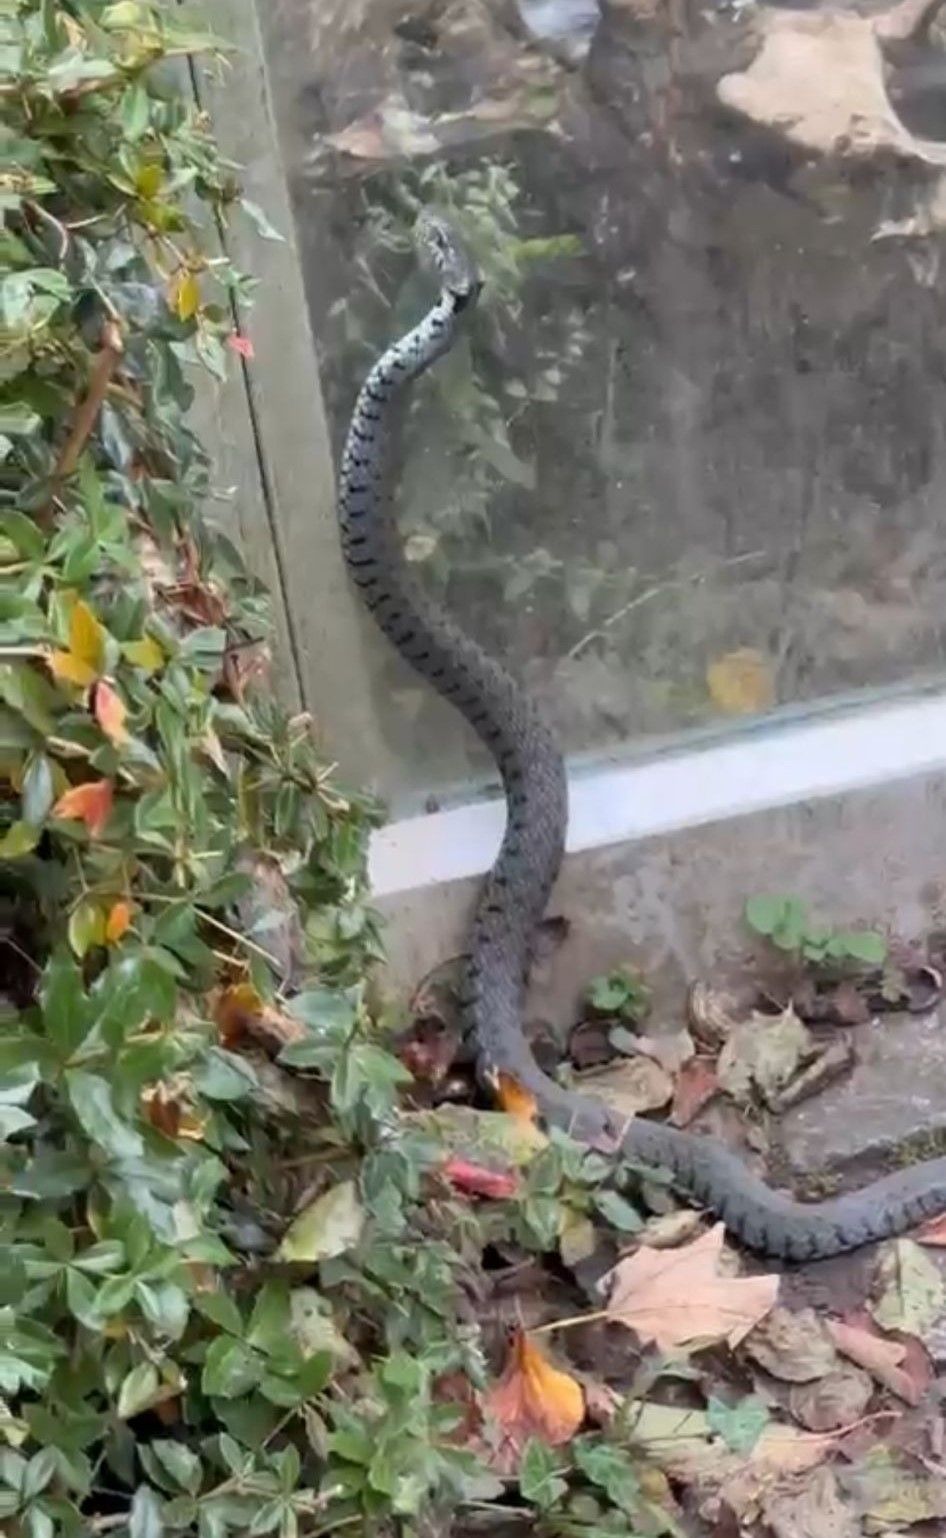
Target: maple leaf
{"points": [[515, 1100], [533, 1399], [478, 1180], [677, 1296], [90, 803], [108, 707]]}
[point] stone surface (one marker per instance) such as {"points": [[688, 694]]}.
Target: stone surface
{"points": [[896, 1092], [672, 906]]}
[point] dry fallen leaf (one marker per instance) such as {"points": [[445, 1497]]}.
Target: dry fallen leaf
{"points": [[741, 682], [763, 1054], [631, 1085], [909, 1290], [901, 1366], [795, 1347], [533, 1399], [812, 1509], [695, 1087], [677, 1296], [829, 1403], [819, 79], [239, 1012]]}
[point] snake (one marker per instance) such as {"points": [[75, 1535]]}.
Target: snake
{"points": [[514, 895]]}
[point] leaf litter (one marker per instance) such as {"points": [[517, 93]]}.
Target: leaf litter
{"points": [[730, 1402]]}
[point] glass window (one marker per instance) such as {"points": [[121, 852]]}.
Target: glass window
{"points": [[686, 467]]}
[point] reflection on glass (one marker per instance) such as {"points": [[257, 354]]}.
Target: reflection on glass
{"points": [[689, 464]]}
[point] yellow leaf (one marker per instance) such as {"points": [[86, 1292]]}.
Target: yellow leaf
{"points": [[185, 295], [70, 669], [86, 637], [148, 178], [145, 654], [741, 683], [534, 1399]]}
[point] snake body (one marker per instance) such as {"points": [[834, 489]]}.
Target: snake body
{"points": [[515, 893]]}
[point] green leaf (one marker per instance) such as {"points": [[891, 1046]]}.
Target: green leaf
{"points": [[766, 912], [20, 838], [230, 1369], [138, 1390], [180, 1463], [146, 1520], [37, 789], [611, 1468], [864, 945], [67, 1013], [261, 223], [91, 1099], [618, 1211], [329, 1226], [539, 1479], [741, 1424]]}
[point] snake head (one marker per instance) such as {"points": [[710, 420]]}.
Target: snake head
{"points": [[443, 253]]}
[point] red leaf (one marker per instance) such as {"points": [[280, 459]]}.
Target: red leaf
{"points": [[109, 710], [696, 1086], [241, 345], [477, 1180]]}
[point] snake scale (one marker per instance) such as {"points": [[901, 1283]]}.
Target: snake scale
{"points": [[515, 893]]}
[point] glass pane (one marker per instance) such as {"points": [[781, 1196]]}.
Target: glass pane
{"points": [[686, 466]]}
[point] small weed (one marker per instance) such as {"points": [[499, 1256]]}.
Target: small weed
{"points": [[785, 921], [621, 994]]}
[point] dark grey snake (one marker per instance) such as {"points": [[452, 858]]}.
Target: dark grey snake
{"points": [[533, 775]]}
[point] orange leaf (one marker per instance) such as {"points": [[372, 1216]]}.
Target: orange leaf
{"points": [[109, 711], [673, 1297], [239, 1011], [535, 1399], [515, 1100], [169, 1113], [118, 920], [90, 803]]}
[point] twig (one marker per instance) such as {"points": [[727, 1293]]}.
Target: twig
{"points": [[654, 592], [104, 366]]}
